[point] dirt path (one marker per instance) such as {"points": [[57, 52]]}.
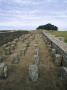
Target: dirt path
{"points": [[18, 78]]}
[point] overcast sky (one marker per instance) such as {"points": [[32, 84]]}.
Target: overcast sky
{"points": [[28, 14]]}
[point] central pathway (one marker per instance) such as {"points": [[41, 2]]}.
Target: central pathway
{"points": [[18, 78]]}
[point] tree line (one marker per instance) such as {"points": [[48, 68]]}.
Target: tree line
{"points": [[48, 27]]}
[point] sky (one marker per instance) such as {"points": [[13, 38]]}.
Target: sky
{"points": [[29, 14]]}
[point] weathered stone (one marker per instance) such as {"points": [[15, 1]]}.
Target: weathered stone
{"points": [[59, 45], [53, 51], [49, 47], [22, 52], [63, 72], [15, 59], [58, 59], [9, 43], [14, 43], [7, 50], [16, 40], [3, 69], [35, 45], [33, 72], [36, 59], [36, 51], [12, 48], [65, 60], [27, 43]]}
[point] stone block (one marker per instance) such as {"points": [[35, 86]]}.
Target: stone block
{"points": [[33, 72], [63, 73], [7, 50], [58, 59], [35, 45], [36, 52], [53, 52], [3, 70], [49, 47], [23, 51], [12, 48], [15, 59], [65, 60], [36, 59]]}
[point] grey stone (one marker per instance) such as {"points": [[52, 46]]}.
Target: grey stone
{"points": [[65, 60], [36, 59], [14, 43], [58, 59], [53, 51], [33, 72], [35, 45], [49, 47], [63, 72], [22, 52], [13, 46], [7, 50], [15, 59], [3, 70], [36, 51]]}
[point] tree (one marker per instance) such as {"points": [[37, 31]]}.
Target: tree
{"points": [[48, 27]]}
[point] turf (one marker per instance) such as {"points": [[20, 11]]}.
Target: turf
{"points": [[60, 34]]}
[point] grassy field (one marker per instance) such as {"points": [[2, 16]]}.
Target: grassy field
{"points": [[60, 34], [7, 36]]}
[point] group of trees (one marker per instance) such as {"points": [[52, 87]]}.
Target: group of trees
{"points": [[48, 27]]}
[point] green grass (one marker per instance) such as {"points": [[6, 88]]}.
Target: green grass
{"points": [[60, 34]]}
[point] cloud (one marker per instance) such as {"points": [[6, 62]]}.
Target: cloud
{"points": [[31, 13]]}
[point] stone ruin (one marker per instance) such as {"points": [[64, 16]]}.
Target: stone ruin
{"points": [[12, 48], [56, 56], [15, 58], [58, 59], [27, 43], [53, 52], [9, 47], [49, 46], [59, 53], [23, 51], [36, 59], [36, 52], [33, 72], [3, 69], [63, 74], [35, 45], [7, 50], [14, 43]]}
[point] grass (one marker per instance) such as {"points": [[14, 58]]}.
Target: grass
{"points": [[60, 34], [7, 36]]}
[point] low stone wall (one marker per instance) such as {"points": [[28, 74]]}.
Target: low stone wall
{"points": [[58, 45]]}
